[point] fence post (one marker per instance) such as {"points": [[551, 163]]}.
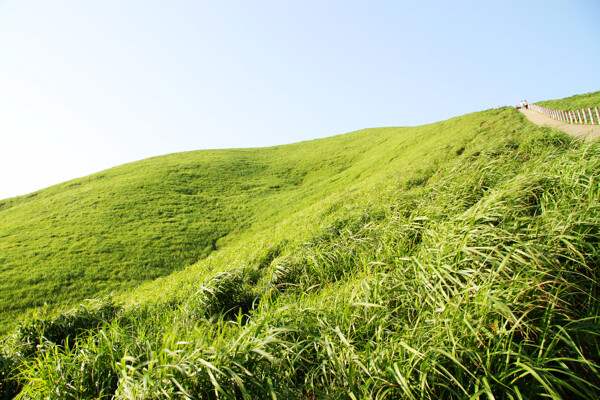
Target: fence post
{"points": [[570, 117]]}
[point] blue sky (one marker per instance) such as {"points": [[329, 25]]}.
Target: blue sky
{"points": [[87, 85]]}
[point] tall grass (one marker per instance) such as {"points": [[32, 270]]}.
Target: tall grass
{"points": [[112, 231], [579, 101], [476, 278]]}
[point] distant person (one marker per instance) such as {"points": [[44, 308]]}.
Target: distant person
{"points": [[525, 104]]}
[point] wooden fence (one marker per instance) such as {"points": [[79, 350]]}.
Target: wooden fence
{"points": [[583, 116]]}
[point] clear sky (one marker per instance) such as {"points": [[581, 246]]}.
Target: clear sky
{"points": [[88, 85]]}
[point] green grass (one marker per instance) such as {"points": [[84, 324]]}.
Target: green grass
{"points": [[133, 223], [577, 102], [110, 231], [455, 260]]}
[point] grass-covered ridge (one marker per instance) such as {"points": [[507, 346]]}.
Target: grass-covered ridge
{"points": [[463, 265], [576, 102], [110, 231]]}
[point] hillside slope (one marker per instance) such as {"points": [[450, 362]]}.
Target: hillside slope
{"points": [[455, 260], [112, 230], [575, 102]]}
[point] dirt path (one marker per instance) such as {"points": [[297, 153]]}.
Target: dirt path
{"points": [[589, 132]]}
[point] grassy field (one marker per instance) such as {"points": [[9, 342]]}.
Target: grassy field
{"points": [[453, 260], [110, 231], [576, 102]]}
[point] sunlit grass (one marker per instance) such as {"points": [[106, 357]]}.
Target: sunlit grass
{"points": [[574, 102], [111, 231], [447, 266]]}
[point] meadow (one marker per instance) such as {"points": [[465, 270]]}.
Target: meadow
{"points": [[109, 232], [453, 260], [575, 102]]}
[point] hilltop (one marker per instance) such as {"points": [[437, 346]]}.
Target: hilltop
{"points": [[453, 260], [577, 101]]}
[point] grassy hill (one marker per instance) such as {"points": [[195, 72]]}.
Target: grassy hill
{"points": [[136, 222], [576, 102], [454, 260], [112, 230]]}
